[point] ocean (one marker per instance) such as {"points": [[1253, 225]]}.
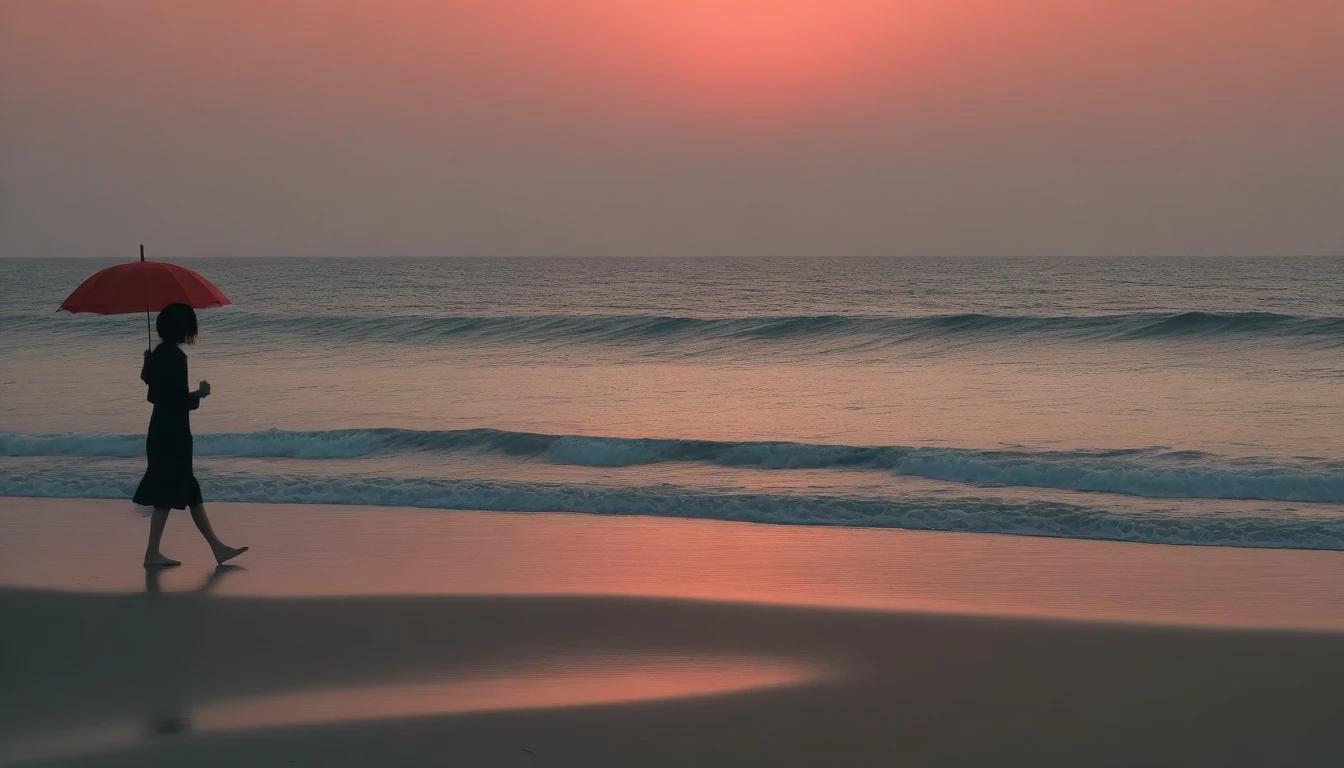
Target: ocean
{"points": [[1180, 401]]}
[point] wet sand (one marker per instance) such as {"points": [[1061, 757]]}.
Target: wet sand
{"points": [[359, 636]]}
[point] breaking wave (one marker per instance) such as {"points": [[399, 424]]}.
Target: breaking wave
{"points": [[1148, 472], [977, 515]]}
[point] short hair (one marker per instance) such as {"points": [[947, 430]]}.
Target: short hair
{"points": [[177, 323]]}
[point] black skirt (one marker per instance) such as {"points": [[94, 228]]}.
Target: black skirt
{"points": [[169, 482], [151, 494]]}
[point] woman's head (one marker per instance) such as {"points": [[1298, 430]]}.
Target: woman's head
{"points": [[177, 323]]}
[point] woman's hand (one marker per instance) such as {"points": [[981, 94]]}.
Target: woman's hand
{"points": [[204, 391]]}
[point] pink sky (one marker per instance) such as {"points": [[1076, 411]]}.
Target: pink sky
{"points": [[671, 127]]}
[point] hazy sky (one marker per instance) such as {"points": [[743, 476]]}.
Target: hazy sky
{"points": [[671, 127]]}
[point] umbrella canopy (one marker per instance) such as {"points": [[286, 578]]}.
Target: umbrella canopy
{"points": [[142, 286]]}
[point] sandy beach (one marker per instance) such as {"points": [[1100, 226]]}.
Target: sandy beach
{"points": [[359, 636]]}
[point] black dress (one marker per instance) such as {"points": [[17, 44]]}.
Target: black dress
{"points": [[168, 482]]}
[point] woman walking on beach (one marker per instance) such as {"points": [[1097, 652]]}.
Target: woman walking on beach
{"points": [[168, 482]]}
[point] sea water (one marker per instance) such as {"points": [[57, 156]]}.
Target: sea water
{"points": [[1186, 401]]}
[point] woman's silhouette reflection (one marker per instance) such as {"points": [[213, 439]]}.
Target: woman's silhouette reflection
{"points": [[154, 585], [182, 616]]}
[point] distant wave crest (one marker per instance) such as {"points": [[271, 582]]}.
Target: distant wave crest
{"points": [[1149, 472], [706, 334]]}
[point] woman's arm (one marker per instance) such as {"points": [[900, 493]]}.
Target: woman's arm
{"points": [[193, 399]]}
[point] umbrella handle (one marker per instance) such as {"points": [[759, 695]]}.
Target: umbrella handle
{"points": [[149, 338]]}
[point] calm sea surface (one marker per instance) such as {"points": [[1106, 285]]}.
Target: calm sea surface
{"points": [[1182, 401]]}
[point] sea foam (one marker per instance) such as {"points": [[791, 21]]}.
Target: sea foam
{"points": [[1148, 472], [933, 513]]}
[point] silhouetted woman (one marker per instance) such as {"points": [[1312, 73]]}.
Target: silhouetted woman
{"points": [[169, 483]]}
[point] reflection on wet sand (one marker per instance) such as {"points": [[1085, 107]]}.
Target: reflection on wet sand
{"points": [[154, 579], [622, 681], [559, 682], [179, 634], [182, 630], [532, 684]]}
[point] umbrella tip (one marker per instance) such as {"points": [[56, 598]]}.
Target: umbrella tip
{"points": [[142, 252]]}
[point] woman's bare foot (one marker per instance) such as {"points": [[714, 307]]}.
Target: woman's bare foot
{"points": [[225, 554], [159, 561]]}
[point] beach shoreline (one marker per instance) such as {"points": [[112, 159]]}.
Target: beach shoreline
{"points": [[356, 636], [307, 550]]}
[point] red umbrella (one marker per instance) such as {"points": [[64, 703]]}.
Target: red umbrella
{"points": [[142, 286]]}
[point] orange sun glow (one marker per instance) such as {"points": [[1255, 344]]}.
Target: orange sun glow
{"points": [[745, 56]]}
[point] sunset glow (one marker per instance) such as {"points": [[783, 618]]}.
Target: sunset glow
{"points": [[690, 126], [671, 382], [740, 57]]}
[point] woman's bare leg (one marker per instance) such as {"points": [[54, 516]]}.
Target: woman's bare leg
{"points": [[153, 557], [222, 551]]}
